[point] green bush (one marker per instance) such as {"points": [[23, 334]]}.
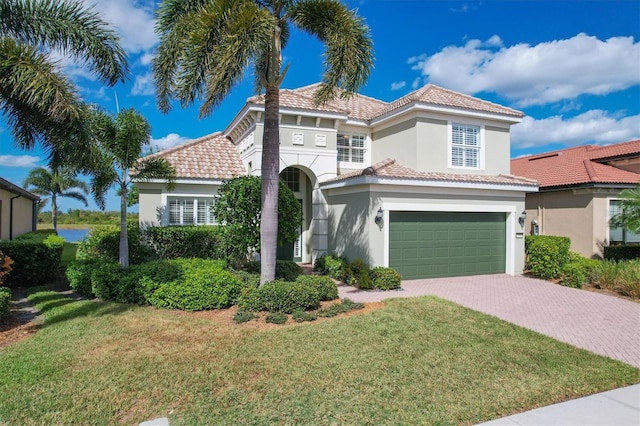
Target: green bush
{"points": [[248, 279], [337, 267], [104, 243], [287, 297], [622, 277], [250, 299], [327, 288], [79, 275], [546, 255], [276, 318], [204, 285], [286, 270], [36, 258], [302, 316], [337, 308], [105, 280], [320, 265], [573, 274], [385, 278], [622, 252], [359, 275], [242, 317], [5, 301], [172, 242]]}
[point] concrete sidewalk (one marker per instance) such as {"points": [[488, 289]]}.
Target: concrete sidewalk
{"points": [[617, 407]]}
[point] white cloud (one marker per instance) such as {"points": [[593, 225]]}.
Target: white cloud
{"points": [[397, 85], [536, 75], [19, 160], [593, 126], [171, 140], [143, 85]]}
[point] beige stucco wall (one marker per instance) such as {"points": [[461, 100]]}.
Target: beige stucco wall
{"points": [[22, 215], [353, 231], [399, 142], [581, 215], [153, 197]]}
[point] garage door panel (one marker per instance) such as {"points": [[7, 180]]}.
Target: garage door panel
{"points": [[436, 244]]}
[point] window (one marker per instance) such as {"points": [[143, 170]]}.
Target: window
{"points": [[291, 176], [465, 146], [351, 147], [619, 234], [191, 211]]}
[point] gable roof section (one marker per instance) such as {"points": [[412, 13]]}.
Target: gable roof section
{"points": [[15, 189], [209, 157], [578, 166], [391, 169], [439, 97]]}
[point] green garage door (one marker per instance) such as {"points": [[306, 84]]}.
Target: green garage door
{"points": [[446, 244]]}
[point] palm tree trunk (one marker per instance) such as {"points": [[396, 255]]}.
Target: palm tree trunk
{"points": [[124, 241], [54, 213], [270, 176]]}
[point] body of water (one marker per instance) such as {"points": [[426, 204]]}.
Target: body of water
{"points": [[73, 235]]}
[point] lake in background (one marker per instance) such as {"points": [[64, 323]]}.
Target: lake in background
{"points": [[73, 235]]}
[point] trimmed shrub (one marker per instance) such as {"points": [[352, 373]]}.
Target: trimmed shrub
{"points": [[276, 318], [327, 288], [622, 252], [573, 274], [287, 297], [359, 275], [36, 258], [242, 317], [203, 286], [546, 255], [5, 301], [320, 265], [248, 279], [104, 243], [338, 308], [105, 280], [302, 316], [172, 242], [385, 278], [337, 267], [286, 270], [79, 275], [250, 299]]}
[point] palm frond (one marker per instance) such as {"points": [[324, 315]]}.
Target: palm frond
{"points": [[154, 168], [69, 27], [76, 195], [349, 50]]}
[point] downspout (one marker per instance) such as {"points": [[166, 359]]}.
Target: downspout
{"points": [[34, 217], [11, 215]]}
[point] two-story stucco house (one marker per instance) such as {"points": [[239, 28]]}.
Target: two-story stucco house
{"points": [[421, 184]]}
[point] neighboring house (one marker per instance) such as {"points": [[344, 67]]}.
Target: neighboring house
{"points": [[18, 210], [421, 184], [579, 192]]}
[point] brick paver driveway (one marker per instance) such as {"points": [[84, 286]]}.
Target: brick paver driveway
{"points": [[602, 324]]}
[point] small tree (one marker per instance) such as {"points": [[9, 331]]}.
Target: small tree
{"points": [[630, 216], [238, 210]]}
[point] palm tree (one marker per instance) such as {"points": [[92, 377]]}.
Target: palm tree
{"points": [[39, 102], [206, 46], [53, 184], [630, 216], [119, 142]]}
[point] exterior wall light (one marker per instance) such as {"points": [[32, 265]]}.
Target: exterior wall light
{"points": [[522, 218], [379, 219]]}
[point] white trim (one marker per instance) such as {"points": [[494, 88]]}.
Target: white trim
{"points": [[321, 139], [297, 138], [481, 148], [374, 180], [187, 181], [510, 234]]}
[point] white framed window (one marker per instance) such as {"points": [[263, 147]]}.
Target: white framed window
{"points": [[618, 234], [351, 147], [297, 138], [466, 146], [190, 211]]}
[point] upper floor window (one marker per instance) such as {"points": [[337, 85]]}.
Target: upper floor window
{"points": [[351, 147], [465, 146], [191, 211]]}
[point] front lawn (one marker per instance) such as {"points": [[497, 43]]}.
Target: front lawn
{"points": [[415, 361]]}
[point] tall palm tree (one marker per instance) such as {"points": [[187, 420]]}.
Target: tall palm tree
{"points": [[206, 46], [119, 142], [53, 184], [40, 103], [630, 216]]}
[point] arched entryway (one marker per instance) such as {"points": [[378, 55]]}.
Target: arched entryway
{"points": [[301, 182]]}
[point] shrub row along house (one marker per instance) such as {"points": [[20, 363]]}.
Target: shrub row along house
{"points": [[421, 184], [580, 193]]}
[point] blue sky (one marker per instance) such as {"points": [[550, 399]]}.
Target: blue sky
{"points": [[573, 67]]}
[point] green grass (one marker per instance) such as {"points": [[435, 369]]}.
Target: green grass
{"points": [[416, 361]]}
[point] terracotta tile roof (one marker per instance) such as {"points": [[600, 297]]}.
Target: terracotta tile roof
{"points": [[209, 157], [438, 96], [291, 99], [579, 165], [357, 106], [391, 169]]}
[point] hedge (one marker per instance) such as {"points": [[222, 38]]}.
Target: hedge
{"points": [[385, 278], [280, 296], [36, 258], [172, 242], [104, 243], [5, 301], [327, 288], [622, 252], [546, 255], [286, 270]]}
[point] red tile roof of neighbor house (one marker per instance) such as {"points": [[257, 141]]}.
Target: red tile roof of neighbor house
{"points": [[391, 169], [579, 165], [209, 157]]}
